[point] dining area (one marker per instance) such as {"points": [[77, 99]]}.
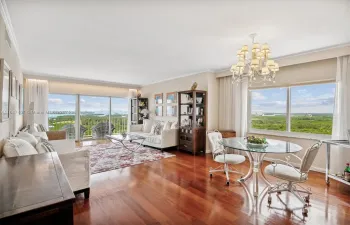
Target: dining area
{"points": [[276, 177]]}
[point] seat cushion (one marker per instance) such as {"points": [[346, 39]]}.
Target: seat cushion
{"points": [[230, 158], [284, 172]]}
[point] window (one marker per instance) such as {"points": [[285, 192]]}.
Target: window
{"points": [[312, 108], [62, 113], [268, 109], [300, 109]]}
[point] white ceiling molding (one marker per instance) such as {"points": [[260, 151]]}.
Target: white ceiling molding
{"points": [[7, 20], [304, 57], [64, 79]]}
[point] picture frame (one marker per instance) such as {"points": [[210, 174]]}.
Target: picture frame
{"points": [[21, 100], [171, 110], [13, 84], [17, 89], [159, 111], [158, 98], [5, 88], [171, 98]]}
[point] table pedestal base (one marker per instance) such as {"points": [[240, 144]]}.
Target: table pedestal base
{"points": [[255, 160]]}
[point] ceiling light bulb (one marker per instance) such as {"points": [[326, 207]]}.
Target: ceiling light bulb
{"points": [[245, 48]]}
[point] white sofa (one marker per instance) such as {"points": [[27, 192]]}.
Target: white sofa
{"points": [[76, 164], [167, 138]]}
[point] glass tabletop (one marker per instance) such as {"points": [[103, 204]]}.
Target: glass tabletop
{"points": [[125, 137], [273, 146]]}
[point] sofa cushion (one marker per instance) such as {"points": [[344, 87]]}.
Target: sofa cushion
{"points": [[27, 137], [18, 147], [147, 125], [151, 138]]}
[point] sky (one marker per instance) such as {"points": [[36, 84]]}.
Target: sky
{"points": [[88, 104], [317, 98]]}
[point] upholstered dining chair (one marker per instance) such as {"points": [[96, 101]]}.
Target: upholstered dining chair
{"points": [[221, 155], [285, 171]]}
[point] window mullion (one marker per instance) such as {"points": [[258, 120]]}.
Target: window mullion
{"points": [[288, 121]]}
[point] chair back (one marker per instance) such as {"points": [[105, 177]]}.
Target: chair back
{"points": [[309, 157], [214, 138]]}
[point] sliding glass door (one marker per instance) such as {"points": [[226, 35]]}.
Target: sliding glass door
{"points": [[94, 117], [62, 113], [119, 115]]}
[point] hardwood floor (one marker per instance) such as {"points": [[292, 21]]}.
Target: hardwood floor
{"points": [[178, 190]]}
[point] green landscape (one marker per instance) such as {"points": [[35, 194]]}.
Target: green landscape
{"points": [[88, 121], [304, 123]]}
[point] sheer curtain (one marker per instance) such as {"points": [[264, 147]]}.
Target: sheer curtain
{"points": [[233, 106], [37, 91], [341, 114]]}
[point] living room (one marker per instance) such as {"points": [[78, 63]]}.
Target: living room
{"points": [[164, 112]]}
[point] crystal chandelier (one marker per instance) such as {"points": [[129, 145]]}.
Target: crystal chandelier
{"points": [[256, 67]]}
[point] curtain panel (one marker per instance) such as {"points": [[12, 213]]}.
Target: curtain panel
{"points": [[341, 114], [36, 91], [233, 106]]}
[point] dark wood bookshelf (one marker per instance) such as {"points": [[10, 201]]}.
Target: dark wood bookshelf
{"points": [[192, 115], [137, 105]]}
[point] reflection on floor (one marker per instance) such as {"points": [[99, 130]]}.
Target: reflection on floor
{"points": [[178, 190]]}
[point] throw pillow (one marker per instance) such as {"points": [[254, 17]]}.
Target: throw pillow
{"points": [[147, 125], [175, 125], [17, 147], [156, 129], [27, 137], [41, 128], [167, 125], [44, 146], [40, 135]]}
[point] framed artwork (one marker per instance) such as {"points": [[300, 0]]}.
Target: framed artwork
{"points": [[171, 110], [13, 84], [158, 98], [21, 99], [171, 97], [5, 90], [159, 110], [17, 89]]}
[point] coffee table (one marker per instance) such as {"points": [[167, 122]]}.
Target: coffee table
{"points": [[120, 139]]}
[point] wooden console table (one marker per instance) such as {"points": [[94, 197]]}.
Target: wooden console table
{"points": [[35, 190]]}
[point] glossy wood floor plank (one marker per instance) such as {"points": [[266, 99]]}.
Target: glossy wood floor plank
{"points": [[178, 190]]}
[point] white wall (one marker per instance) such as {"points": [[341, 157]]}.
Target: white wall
{"points": [[59, 87], [206, 81], [11, 57]]}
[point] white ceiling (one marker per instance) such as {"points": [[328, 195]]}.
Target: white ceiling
{"points": [[142, 42]]}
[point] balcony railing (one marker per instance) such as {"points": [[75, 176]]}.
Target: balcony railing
{"points": [[87, 122]]}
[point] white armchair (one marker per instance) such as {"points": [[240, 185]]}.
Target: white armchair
{"points": [[76, 165], [284, 170], [221, 155]]}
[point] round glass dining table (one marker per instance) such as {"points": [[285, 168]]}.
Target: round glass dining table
{"points": [[256, 154]]}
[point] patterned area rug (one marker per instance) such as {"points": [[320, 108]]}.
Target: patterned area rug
{"points": [[105, 157]]}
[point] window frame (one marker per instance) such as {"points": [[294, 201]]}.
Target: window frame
{"points": [[288, 132], [78, 108]]}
